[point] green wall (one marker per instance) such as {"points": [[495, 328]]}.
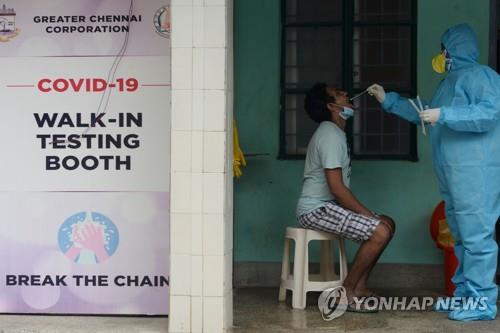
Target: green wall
{"points": [[265, 197]]}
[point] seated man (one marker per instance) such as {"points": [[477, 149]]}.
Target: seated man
{"points": [[326, 203]]}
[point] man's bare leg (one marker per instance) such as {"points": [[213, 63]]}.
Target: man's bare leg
{"points": [[361, 288], [366, 257]]}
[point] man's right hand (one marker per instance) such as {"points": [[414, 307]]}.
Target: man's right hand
{"points": [[378, 91]]}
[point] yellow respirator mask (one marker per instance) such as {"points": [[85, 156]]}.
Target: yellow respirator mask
{"points": [[440, 63]]}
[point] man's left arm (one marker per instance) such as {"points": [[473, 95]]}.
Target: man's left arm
{"points": [[343, 194]]}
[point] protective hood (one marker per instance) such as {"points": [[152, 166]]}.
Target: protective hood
{"points": [[461, 44]]}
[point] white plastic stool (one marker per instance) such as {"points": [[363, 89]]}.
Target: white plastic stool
{"points": [[300, 282]]}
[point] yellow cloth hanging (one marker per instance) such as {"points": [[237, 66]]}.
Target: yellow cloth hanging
{"points": [[238, 158]]}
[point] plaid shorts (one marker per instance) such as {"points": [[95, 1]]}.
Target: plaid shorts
{"points": [[342, 222]]}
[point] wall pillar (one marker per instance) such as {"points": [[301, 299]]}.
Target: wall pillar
{"points": [[201, 178]]}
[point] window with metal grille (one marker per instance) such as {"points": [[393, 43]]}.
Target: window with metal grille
{"points": [[349, 44]]}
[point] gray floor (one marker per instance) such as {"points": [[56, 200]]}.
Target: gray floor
{"points": [[257, 310], [86, 324]]}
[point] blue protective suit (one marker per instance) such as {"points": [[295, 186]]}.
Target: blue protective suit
{"points": [[466, 156]]}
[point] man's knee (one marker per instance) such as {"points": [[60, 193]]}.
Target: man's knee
{"points": [[389, 222], [381, 235]]}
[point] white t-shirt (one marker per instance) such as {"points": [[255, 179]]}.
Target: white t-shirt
{"points": [[327, 149]]}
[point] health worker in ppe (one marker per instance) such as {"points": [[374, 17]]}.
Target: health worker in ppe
{"points": [[465, 138]]}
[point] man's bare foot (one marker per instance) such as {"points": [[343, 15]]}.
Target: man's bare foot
{"points": [[364, 292], [357, 302], [350, 295]]}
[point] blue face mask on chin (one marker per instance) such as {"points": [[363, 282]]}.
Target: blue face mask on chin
{"points": [[346, 113]]}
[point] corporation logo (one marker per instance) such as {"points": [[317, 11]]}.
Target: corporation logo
{"points": [[88, 238], [162, 21], [8, 28], [332, 303]]}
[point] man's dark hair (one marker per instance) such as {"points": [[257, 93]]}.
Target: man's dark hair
{"points": [[316, 102]]}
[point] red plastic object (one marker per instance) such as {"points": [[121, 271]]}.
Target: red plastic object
{"points": [[437, 215], [450, 260]]}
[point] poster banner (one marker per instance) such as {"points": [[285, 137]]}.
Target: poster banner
{"points": [[83, 28], [56, 138], [99, 253], [85, 139]]}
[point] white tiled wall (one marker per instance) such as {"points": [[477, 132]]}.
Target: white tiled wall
{"points": [[214, 106], [182, 65], [181, 226], [182, 101], [213, 232], [213, 193], [201, 176], [179, 317], [215, 65]]}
